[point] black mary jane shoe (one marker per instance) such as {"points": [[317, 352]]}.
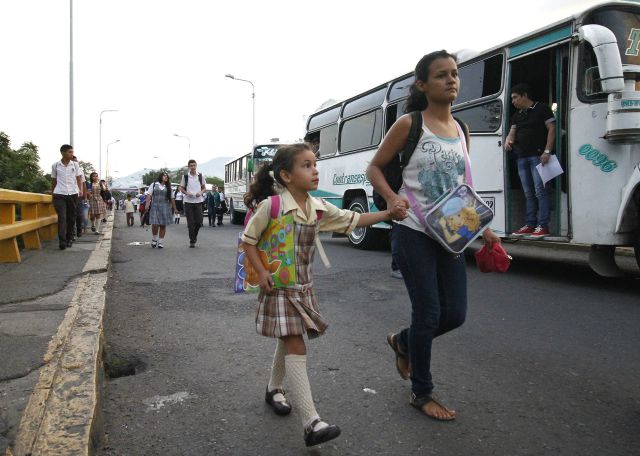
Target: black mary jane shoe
{"points": [[281, 408], [312, 437]]}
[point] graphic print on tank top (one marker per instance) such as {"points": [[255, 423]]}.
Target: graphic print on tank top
{"points": [[440, 163]]}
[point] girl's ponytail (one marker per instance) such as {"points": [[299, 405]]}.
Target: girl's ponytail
{"points": [[262, 187]]}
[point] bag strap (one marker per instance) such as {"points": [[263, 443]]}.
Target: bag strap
{"points": [[274, 202], [412, 138]]}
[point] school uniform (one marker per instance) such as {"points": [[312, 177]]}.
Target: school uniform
{"points": [[294, 310], [65, 198], [160, 212]]}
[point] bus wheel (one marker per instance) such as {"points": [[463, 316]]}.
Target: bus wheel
{"points": [[237, 218], [364, 237]]}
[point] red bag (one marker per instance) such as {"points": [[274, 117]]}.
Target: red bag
{"points": [[495, 259]]}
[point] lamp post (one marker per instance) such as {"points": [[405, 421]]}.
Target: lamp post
{"points": [[71, 120], [117, 140], [100, 149], [253, 98], [187, 138]]}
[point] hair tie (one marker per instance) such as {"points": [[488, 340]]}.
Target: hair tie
{"points": [[271, 174]]}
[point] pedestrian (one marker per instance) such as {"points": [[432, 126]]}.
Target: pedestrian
{"points": [[82, 201], [435, 279], [176, 218], [129, 209], [211, 206], [531, 137], [288, 313], [106, 197], [97, 206], [192, 185], [178, 196], [135, 202], [66, 182], [221, 208], [161, 207], [141, 208]]}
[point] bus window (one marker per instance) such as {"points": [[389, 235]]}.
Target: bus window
{"points": [[480, 79], [320, 120], [484, 118], [325, 141], [394, 112], [361, 132], [400, 89], [364, 103]]}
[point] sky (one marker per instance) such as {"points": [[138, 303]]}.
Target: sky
{"points": [[162, 64]]}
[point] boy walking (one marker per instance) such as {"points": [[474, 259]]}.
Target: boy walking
{"points": [[193, 187]]}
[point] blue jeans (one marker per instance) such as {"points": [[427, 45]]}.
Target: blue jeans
{"points": [[437, 284], [534, 192]]}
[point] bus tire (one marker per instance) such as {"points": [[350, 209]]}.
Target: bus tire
{"points": [[237, 218], [365, 237]]}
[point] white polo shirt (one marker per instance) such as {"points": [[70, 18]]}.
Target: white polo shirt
{"points": [[66, 183], [193, 186]]}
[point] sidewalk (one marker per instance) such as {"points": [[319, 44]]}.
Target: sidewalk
{"points": [[42, 303]]}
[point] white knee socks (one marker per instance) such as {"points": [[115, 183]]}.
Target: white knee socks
{"points": [[277, 368], [300, 390]]}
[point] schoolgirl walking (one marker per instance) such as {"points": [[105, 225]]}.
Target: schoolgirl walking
{"points": [[97, 206], [288, 313]]}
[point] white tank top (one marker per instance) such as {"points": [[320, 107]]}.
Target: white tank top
{"points": [[436, 166]]}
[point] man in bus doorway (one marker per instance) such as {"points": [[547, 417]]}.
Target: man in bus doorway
{"points": [[193, 187], [531, 137]]}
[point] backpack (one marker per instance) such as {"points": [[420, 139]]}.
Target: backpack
{"points": [[393, 171], [186, 180]]}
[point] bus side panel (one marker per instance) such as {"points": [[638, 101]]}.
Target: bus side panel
{"points": [[342, 173], [598, 174]]}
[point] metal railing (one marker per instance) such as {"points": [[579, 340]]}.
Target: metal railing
{"points": [[38, 222]]}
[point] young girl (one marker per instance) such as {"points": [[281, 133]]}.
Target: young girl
{"points": [[288, 313], [97, 206], [435, 279], [161, 207]]}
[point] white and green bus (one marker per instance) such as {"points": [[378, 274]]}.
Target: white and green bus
{"points": [[585, 67], [238, 174]]}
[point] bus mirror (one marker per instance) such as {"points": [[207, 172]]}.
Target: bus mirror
{"points": [[605, 47], [250, 165]]}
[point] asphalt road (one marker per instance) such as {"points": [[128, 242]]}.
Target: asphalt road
{"points": [[546, 364]]}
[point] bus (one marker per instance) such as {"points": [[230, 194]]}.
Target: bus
{"points": [[586, 68], [238, 174]]}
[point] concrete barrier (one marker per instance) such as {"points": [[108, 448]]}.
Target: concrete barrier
{"points": [[63, 414]]}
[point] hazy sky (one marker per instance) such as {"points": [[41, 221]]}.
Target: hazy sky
{"points": [[162, 64]]}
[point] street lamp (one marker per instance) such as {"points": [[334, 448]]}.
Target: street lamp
{"points": [[116, 141], [253, 97], [100, 149], [187, 138]]}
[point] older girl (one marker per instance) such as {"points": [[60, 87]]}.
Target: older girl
{"points": [[161, 207], [97, 206], [435, 279]]}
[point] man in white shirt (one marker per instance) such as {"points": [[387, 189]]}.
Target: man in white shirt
{"points": [[192, 186], [65, 185]]}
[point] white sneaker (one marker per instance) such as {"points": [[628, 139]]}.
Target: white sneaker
{"points": [[396, 274], [154, 243], [160, 246]]}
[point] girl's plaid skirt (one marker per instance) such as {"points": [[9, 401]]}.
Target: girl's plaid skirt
{"points": [[290, 312], [97, 207]]}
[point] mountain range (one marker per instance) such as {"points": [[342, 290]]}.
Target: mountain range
{"points": [[211, 168]]}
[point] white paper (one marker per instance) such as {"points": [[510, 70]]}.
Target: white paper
{"points": [[550, 170]]}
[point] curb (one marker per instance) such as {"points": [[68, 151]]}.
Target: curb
{"points": [[63, 413]]}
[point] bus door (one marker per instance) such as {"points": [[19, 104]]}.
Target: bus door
{"points": [[479, 105], [546, 71]]}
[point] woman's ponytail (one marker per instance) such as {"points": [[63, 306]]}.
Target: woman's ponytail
{"points": [[262, 187]]}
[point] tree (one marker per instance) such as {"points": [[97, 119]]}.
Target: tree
{"points": [[215, 181], [86, 167], [19, 169], [152, 175]]}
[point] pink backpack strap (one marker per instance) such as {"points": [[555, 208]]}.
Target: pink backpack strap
{"points": [[247, 216], [274, 201]]}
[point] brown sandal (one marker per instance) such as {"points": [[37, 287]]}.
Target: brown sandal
{"points": [[402, 361], [420, 401]]}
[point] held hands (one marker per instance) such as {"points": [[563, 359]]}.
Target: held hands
{"points": [[397, 208], [266, 281]]}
